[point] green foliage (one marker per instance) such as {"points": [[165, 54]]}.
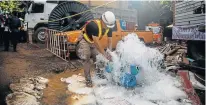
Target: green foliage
{"points": [[10, 5], [166, 2]]}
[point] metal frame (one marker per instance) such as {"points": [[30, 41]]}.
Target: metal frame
{"points": [[56, 43]]}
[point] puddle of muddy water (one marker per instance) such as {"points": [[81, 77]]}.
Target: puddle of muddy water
{"points": [[57, 93]]}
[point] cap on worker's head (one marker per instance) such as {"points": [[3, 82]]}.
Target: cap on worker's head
{"points": [[109, 19]]}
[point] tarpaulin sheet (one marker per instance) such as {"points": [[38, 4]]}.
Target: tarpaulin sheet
{"points": [[187, 33]]}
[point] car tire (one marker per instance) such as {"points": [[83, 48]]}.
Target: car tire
{"points": [[39, 35]]}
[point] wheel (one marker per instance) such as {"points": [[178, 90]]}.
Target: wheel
{"points": [[39, 35], [66, 9]]}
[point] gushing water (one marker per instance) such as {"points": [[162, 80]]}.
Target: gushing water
{"points": [[154, 87]]}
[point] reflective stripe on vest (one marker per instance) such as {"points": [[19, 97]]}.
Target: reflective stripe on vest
{"points": [[86, 37]]}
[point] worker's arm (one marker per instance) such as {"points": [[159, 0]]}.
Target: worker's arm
{"points": [[98, 45], [109, 34], [110, 43]]}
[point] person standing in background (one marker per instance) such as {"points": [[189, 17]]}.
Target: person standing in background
{"points": [[6, 35], [15, 24], [1, 28]]}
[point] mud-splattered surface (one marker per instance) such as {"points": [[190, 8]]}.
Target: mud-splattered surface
{"points": [[28, 61], [57, 93]]}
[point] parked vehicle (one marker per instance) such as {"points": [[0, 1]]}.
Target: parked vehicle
{"points": [[117, 34], [40, 12], [157, 31]]}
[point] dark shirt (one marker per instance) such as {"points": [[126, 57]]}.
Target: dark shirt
{"points": [[6, 21], [1, 18], [15, 23], [92, 30]]}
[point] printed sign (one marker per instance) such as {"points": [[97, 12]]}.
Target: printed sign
{"points": [[187, 33]]}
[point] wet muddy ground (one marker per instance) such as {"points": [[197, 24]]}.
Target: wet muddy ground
{"points": [[32, 61], [57, 93], [29, 61]]}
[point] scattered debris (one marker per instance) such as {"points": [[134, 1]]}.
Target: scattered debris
{"points": [[21, 98], [27, 91], [175, 62], [174, 54]]}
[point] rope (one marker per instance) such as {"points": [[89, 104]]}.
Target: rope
{"points": [[81, 12]]}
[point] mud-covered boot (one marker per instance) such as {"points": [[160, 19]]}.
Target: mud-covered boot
{"points": [[89, 83]]}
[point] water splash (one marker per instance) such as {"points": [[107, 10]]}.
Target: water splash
{"points": [[132, 51], [154, 86]]}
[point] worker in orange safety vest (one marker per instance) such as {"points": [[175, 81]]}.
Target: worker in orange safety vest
{"points": [[89, 42]]}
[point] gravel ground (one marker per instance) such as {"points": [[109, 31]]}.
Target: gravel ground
{"points": [[28, 61]]}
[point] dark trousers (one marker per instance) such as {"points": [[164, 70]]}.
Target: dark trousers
{"points": [[6, 40], [14, 39], [1, 35], [22, 37]]}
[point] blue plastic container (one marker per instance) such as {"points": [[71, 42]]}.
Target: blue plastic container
{"points": [[134, 70], [123, 24], [109, 68], [128, 80]]}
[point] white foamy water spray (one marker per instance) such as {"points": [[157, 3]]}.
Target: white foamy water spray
{"points": [[154, 86], [131, 51]]}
